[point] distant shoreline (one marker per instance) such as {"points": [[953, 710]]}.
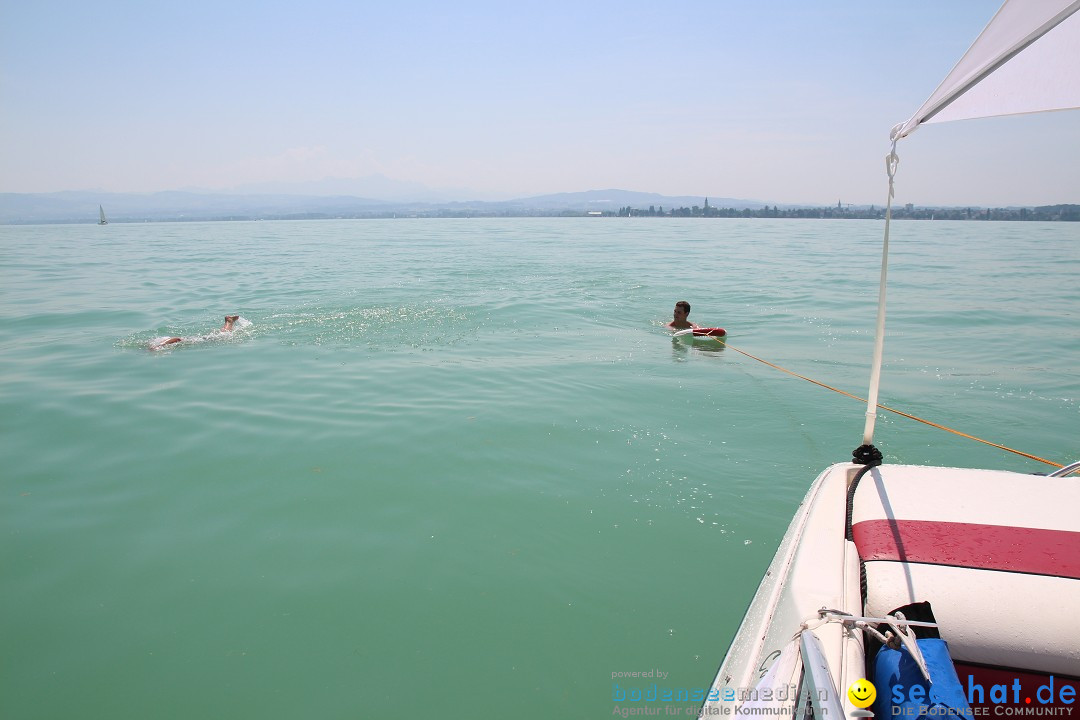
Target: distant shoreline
{"points": [[1051, 213], [82, 207]]}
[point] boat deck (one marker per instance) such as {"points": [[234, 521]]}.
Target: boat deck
{"points": [[995, 553]]}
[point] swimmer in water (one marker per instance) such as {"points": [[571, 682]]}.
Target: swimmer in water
{"points": [[679, 321], [227, 327]]}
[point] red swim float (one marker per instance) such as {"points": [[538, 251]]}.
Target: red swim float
{"points": [[709, 332]]}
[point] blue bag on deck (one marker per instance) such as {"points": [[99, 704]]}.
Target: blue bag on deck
{"points": [[902, 691]]}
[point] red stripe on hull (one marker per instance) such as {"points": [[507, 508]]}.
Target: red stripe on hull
{"points": [[986, 547]]}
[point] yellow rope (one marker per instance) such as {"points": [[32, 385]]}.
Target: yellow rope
{"points": [[892, 410]]}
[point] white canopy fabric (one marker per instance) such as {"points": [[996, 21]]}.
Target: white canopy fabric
{"points": [[1026, 60]]}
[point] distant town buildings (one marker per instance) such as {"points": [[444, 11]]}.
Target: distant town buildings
{"points": [[846, 211]]}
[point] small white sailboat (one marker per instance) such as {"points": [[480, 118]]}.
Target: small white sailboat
{"points": [[101, 215], [954, 591]]}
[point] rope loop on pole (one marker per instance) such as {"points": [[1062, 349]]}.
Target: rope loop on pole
{"points": [[892, 160]]}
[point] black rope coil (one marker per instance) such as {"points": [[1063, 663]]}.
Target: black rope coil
{"points": [[867, 455]]}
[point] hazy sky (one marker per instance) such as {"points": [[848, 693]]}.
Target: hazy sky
{"points": [[774, 101]]}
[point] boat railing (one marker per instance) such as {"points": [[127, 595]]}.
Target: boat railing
{"points": [[1067, 470], [819, 689]]}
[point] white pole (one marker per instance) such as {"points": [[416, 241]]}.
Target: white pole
{"points": [[891, 161]]}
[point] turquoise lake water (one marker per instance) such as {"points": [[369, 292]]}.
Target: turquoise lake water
{"points": [[459, 467]]}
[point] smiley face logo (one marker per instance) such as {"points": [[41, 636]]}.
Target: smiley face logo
{"points": [[862, 693]]}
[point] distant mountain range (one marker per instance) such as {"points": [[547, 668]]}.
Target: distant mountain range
{"points": [[82, 206]]}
